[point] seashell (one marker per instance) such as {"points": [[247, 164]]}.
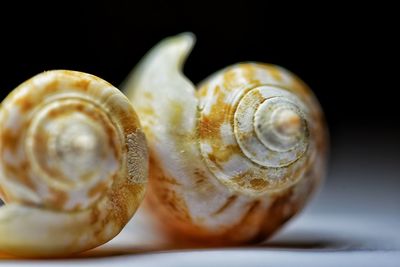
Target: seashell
{"points": [[232, 159], [73, 164]]}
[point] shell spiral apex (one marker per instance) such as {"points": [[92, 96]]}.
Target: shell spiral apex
{"points": [[73, 161], [233, 158]]}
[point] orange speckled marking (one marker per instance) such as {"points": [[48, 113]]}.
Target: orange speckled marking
{"points": [[177, 118], [148, 110], [258, 184], [209, 129], [98, 189], [175, 204], [273, 71], [201, 178], [148, 95], [172, 204], [20, 173], [82, 84], [229, 80], [258, 96], [250, 73], [58, 197], [3, 195], [51, 87], [251, 209], [226, 205], [87, 176], [224, 154], [163, 197], [94, 215], [164, 178], [203, 91], [25, 104], [10, 140], [249, 180], [42, 135], [120, 205], [202, 184], [279, 212]]}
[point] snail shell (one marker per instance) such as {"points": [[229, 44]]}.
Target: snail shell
{"points": [[230, 160], [73, 164]]}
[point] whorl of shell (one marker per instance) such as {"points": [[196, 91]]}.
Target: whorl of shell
{"points": [[253, 131], [236, 157], [73, 164]]}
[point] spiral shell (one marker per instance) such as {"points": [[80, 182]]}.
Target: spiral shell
{"points": [[252, 132], [232, 160], [73, 164]]}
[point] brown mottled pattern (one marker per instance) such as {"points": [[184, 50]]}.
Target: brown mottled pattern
{"points": [[273, 71], [229, 81], [11, 139], [98, 189], [41, 136], [58, 198], [241, 77], [229, 234], [203, 186], [121, 202], [249, 72], [20, 172], [210, 129], [167, 209], [168, 201], [226, 205], [25, 104], [256, 224], [124, 202], [83, 84], [3, 196], [258, 184]]}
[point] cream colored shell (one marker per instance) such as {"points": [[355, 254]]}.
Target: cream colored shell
{"points": [[73, 164], [232, 159]]}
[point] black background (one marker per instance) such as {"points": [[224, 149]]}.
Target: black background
{"points": [[345, 53]]}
